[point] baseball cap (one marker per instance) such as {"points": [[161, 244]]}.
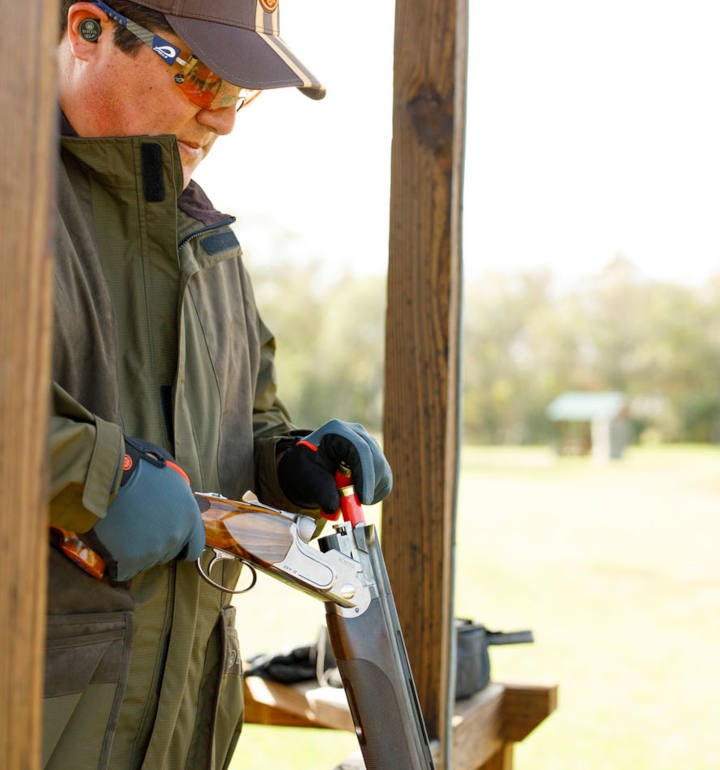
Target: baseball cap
{"points": [[240, 41]]}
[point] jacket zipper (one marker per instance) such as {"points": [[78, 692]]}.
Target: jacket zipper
{"points": [[208, 228]]}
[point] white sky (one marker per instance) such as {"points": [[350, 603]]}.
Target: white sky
{"points": [[593, 129]]}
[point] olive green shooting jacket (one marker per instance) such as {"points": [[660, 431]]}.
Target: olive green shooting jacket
{"points": [[156, 335]]}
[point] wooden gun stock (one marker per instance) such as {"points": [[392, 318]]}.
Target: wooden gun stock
{"points": [[268, 539], [78, 551], [249, 531], [276, 543]]}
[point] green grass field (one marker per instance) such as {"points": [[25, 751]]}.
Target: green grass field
{"points": [[613, 567]]}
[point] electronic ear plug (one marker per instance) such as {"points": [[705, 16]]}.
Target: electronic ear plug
{"points": [[90, 30]]}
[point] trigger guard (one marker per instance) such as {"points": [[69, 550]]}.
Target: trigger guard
{"points": [[219, 556]]}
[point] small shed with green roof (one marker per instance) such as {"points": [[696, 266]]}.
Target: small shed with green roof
{"points": [[591, 423]]}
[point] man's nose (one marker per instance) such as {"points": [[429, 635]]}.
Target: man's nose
{"points": [[221, 121]]}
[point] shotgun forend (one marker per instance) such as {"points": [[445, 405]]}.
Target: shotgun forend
{"points": [[373, 663]]}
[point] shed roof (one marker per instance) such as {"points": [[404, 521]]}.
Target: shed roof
{"points": [[586, 405]]}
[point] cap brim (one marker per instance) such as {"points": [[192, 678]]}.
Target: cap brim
{"points": [[246, 58]]}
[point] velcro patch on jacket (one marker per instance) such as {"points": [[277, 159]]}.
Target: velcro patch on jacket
{"points": [[152, 172], [218, 242]]}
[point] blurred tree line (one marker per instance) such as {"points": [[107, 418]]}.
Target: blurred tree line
{"points": [[525, 341]]}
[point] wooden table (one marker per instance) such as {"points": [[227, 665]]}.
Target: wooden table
{"points": [[485, 727]]}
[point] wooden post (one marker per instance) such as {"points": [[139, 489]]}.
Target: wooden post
{"points": [[422, 338], [28, 39]]}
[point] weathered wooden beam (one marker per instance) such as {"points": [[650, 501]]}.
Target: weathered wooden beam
{"points": [[525, 706], [477, 728], [28, 37], [486, 725], [422, 335], [272, 703]]}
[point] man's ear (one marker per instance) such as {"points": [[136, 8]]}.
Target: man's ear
{"points": [[86, 24]]}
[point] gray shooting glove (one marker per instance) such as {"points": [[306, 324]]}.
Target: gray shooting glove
{"points": [[307, 469], [154, 516]]}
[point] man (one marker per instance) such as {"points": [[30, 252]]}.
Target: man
{"points": [[161, 363]]}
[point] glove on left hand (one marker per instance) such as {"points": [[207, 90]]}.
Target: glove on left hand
{"points": [[153, 518], [307, 475]]}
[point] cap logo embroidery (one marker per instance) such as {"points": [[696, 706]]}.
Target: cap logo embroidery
{"points": [[269, 5]]}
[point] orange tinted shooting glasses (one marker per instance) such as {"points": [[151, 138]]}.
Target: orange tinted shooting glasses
{"points": [[198, 82]]}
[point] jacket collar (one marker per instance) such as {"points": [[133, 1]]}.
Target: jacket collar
{"points": [[192, 200]]}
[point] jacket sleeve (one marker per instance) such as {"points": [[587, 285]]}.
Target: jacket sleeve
{"points": [[272, 427], [85, 460]]}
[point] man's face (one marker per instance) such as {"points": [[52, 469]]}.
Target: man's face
{"points": [[129, 94]]}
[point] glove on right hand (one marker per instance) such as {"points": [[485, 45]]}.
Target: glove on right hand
{"points": [[307, 477], [153, 518]]}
